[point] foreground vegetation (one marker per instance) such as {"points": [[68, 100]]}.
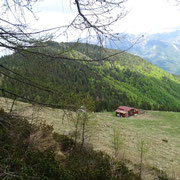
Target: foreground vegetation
{"points": [[33, 151], [157, 132], [124, 79]]}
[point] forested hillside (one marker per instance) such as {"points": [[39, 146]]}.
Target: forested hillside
{"points": [[123, 79]]}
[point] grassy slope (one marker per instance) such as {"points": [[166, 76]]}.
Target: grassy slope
{"points": [[152, 127], [33, 151], [160, 130]]}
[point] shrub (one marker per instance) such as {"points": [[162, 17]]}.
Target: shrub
{"points": [[19, 162]]}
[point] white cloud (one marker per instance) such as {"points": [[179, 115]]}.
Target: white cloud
{"points": [[150, 16], [145, 16], [65, 6], [51, 14]]}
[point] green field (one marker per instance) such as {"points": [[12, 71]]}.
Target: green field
{"points": [[159, 130]]}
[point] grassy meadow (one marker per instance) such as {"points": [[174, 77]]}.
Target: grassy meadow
{"points": [[160, 131]]}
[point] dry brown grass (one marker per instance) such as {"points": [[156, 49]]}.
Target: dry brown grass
{"points": [[161, 131]]}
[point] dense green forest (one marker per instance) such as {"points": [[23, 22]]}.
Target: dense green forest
{"points": [[123, 79]]}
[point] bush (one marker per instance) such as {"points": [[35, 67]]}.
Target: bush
{"points": [[65, 142], [89, 165], [19, 162]]}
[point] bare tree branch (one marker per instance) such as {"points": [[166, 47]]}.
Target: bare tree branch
{"points": [[94, 17]]}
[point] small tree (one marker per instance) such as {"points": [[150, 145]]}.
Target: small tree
{"points": [[80, 120], [80, 117], [142, 149], [85, 119], [117, 142]]}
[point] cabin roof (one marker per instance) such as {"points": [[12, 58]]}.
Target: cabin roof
{"points": [[121, 111], [125, 108]]}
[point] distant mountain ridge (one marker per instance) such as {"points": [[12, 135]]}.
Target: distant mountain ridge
{"points": [[161, 49], [124, 79]]}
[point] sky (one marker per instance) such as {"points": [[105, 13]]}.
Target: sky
{"points": [[152, 16], [144, 16]]}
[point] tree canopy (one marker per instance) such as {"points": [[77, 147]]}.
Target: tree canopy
{"points": [[95, 17]]}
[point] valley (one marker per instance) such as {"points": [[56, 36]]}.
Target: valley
{"points": [[161, 49]]}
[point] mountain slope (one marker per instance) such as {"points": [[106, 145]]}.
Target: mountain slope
{"points": [[124, 79], [163, 50]]}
